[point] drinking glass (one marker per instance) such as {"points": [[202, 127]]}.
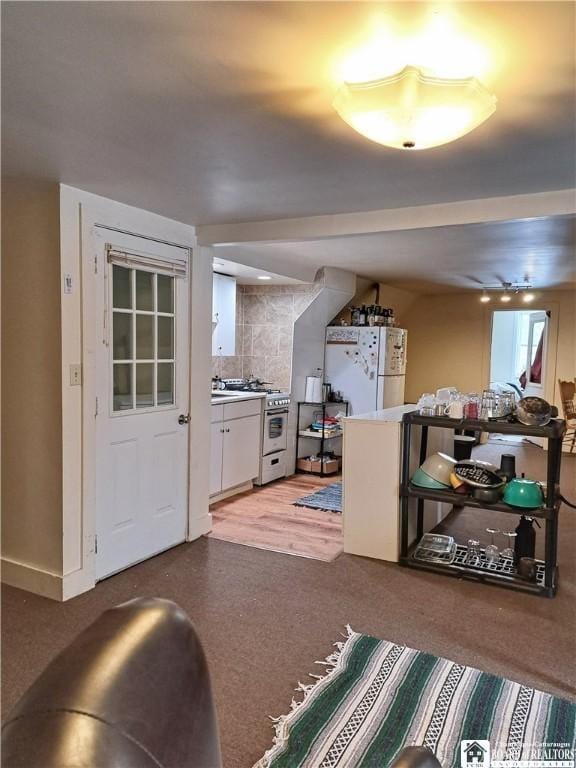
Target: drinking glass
{"points": [[492, 552], [472, 406], [473, 554], [488, 404], [509, 550]]}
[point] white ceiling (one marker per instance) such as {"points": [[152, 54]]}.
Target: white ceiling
{"points": [[538, 251], [214, 112], [246, 275]]}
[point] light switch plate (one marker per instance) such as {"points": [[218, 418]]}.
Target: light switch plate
{"points": [[75, 375]]}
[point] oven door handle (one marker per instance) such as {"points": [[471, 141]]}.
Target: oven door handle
{"points": [[275, 413]]}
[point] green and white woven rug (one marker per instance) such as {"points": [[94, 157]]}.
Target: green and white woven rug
{"points": [[378, 697]]}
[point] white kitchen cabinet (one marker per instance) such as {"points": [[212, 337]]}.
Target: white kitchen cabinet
{"points": [[216, 445], [241, 453], [223, 315], [235, 444]]}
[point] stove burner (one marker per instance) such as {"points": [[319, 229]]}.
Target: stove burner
{"points": [[248, 385]]}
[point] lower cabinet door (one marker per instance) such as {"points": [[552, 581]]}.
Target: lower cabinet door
{"points": [[241, 455], [216, 446]]}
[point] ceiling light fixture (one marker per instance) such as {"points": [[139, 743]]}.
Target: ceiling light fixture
{"points": [[264, 277], [411, 110], [510, 291]]}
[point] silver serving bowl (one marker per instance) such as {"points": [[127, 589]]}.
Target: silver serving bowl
{"points": [[534, 411]]}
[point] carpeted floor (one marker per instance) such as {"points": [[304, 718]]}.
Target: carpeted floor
{"points": [[266, 617]]}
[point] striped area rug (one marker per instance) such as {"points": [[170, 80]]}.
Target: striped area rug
{"points": [[328, 498], [378, 697]]}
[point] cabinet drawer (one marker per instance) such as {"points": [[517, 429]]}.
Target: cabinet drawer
{"points": [[216, 413], [243, 408]]}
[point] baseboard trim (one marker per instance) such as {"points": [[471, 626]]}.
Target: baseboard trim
{"points": [[231, 492], [32, 579], [77, 582], [199, 526]]}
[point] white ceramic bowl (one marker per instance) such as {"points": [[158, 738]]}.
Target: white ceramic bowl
{"points": [[438, 467]]}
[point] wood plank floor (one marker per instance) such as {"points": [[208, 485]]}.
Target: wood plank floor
{"points": [[265, 518]]}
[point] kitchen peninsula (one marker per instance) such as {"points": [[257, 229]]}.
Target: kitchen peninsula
{"points": [[371, 481]]}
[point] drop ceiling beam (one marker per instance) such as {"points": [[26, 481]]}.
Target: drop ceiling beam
{"points": [[556, 203]]}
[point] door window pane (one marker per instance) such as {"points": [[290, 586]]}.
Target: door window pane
{"points": [[122, 387], [165, 338], [165, 383], [144, 337], [165, 293], [535, 376], [144, 291], [122, 335], [121, 288], [144, 385]]}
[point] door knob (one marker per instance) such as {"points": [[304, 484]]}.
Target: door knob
{"points": [[184, 418]]}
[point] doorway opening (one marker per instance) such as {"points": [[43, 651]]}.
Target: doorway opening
{"points": [[518, 351]]}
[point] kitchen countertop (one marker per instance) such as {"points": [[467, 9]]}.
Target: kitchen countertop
{"points": [[385, 415], [235, 397]]}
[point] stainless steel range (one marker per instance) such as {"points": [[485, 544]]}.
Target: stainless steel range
{"points": [[273, 458]]}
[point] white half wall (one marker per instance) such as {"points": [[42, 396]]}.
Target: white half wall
{"points": [[337, 288]]}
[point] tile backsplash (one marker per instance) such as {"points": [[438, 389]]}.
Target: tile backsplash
{"points": [[265, 317]]}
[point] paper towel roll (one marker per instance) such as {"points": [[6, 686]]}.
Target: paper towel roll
{"points": [[313, 389]]}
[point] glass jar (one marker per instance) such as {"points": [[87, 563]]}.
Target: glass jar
{"points": [[472, 406]]}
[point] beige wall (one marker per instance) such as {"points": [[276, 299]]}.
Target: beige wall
{"points": [[389, 296], [401, 302], [31, 376], [449, 341]]}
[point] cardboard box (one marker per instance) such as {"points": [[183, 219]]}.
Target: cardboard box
{"points": [[329, 467]]}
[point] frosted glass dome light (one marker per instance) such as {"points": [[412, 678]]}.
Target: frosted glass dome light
{"points": [[410, 110]]}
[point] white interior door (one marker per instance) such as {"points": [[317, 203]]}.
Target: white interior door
{"points": [[142, 374]]}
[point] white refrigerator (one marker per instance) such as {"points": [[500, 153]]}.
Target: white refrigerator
{"points": [[367, 365]]}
